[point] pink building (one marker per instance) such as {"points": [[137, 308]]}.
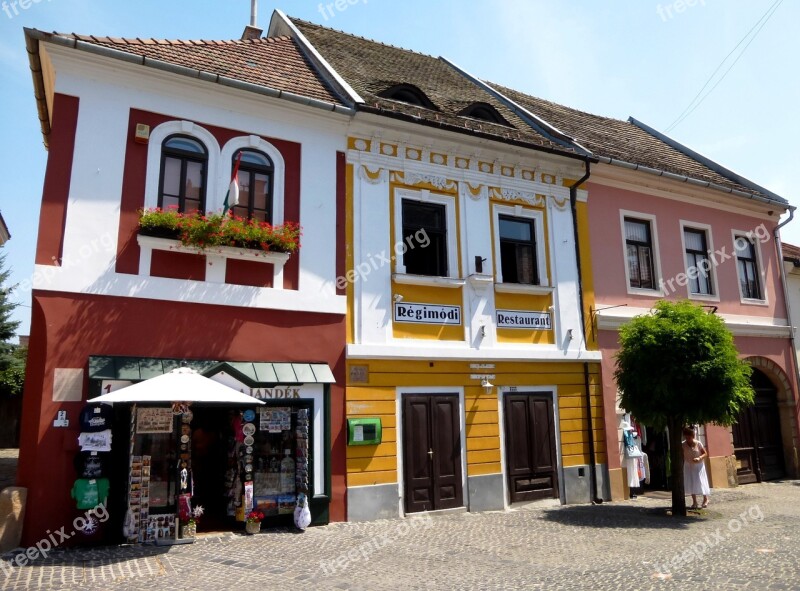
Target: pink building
{"points": [[667, 223]]}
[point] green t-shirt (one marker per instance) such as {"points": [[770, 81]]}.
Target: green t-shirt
{"points": [[90, 493]]}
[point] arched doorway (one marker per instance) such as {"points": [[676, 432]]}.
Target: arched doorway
{"points": [[757, 440]]}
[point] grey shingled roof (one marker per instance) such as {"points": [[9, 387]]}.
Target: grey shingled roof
{"points": [[371, 67], [625, 141]]}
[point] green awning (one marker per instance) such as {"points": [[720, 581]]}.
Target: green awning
{"points": [[254, 374]]}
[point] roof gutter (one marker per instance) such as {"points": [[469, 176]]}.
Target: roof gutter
{"points": [[34, 37], [595, 497], [32, 47], [779, 249], [689, 180], [540, 125], [707, 162]]}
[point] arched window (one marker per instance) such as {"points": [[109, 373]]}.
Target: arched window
{"points": [[256, 173], [407, 93], [184, 174], [484, 112]]}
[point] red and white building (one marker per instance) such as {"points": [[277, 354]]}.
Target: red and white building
{"points": [[132, 124]]}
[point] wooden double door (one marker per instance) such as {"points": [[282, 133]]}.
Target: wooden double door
{"points": [[531, 457], [757, 439], [432, 452]]}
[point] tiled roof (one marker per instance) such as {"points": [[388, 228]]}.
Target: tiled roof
{"points": [[620, 140], [274, 62], [791, 252], [371, 67]]}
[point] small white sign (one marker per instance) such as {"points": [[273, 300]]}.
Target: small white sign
{"points": [[481, 365], [358, 433], [415, 313], [524, 319]]}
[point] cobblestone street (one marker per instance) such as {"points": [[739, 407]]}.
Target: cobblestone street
{"points": [[746, 540]]}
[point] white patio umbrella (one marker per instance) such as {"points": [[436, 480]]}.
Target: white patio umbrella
{"points": [[180, 385]]}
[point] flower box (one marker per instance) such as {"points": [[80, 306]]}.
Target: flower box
{"points": [[278, 259]]}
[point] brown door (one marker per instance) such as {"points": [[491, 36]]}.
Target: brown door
{"points": [[431, 452], [531, 447], [757, 435]]}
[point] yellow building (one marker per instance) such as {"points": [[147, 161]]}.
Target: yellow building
{"points": [[470, 381]]}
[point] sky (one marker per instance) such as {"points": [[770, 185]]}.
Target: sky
{"points": [[619, 58]]}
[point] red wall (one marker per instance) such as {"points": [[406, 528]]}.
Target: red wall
{"points": [[53, 217], [67, 328]]}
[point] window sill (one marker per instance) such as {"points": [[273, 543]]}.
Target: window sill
{"points": [[278, 259], [449, 282], [650, 293], [523, 288], [703, 298], [753, 302]]}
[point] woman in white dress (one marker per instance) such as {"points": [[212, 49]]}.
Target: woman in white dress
{"points": [[695, 479]]}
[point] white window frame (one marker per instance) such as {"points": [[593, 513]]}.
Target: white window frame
{"points": [[762, 272], [154, 149], [526, 213], [697, 226], [223, 181], [425, 196], [657, 292]]}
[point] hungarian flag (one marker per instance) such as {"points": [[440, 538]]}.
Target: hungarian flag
{"points": [[232, 196]]}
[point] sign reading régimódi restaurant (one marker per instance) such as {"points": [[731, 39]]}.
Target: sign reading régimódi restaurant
{"points": [[523, 319], [426, 313]]}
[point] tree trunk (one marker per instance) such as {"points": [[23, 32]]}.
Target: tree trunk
{"points": [[676, 460]]}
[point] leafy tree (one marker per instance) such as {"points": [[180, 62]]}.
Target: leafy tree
{"points": [[12, 357], [678, 366]]}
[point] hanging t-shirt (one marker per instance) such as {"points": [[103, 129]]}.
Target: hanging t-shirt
{"points": [[91, 466], [96, 417], [89, 493]]}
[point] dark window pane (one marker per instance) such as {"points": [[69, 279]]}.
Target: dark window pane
{"points": [[194, 180], [261, 192], [518, 262], [515, 229], [172, 176], [639, 250], [186, 144], [431, 260]]}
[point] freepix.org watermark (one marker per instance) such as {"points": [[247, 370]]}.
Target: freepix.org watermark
{"points": [[328, 10], [697, 550], [671, 10], [86, 523], [373, 262], [14, 7], [715, 259], [363, 552]]}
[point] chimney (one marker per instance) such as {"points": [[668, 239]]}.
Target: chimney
{"points": [[252, 31]]}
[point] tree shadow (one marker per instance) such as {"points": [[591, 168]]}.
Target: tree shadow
{"points": [[618, 516]]}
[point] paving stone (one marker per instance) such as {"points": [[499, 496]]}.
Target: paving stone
{"points": [[746, 540]]}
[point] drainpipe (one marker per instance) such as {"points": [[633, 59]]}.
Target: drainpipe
{"points": [[779, 248], [573, 199]]}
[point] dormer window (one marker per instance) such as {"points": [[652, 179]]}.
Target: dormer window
{"points": [[484, 112], [406, 93]]}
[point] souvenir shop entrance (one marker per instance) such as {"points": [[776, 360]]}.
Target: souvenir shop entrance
{"points": [[204, 466]]}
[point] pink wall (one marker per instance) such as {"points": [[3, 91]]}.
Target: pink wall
{"points": [[610, 285], [608, 258]]}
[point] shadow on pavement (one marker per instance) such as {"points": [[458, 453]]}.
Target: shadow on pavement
{"points": [[618, 516]]}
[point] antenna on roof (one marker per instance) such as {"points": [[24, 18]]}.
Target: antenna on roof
{"points": [[252, 31]]}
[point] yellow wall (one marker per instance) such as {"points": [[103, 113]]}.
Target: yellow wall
{"points": [[368, 465], [429, 295], [526, 302]]}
